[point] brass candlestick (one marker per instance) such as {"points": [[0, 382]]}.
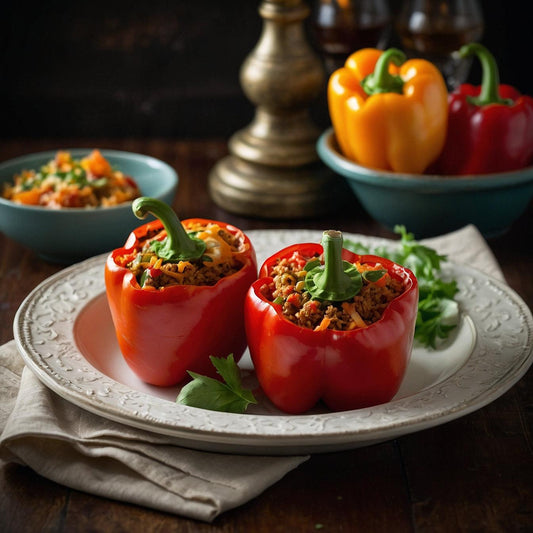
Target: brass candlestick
{"points": [[273, 169]]}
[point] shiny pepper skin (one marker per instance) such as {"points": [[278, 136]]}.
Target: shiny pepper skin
{"points": [[163, 333], [297, 367]]}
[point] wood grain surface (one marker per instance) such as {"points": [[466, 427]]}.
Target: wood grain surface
{"points": [[472, 474]]}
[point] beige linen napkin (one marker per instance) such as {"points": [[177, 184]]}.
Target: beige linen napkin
{"points": [[467, 246], [71, 446], [78, 449]]}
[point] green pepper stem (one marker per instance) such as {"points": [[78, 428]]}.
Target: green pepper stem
{"points": [[490, 77], [178, 245], [337, 280], [381, 80]]}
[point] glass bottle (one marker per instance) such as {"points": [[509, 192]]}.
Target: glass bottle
{"points": [[341, 27], [434, 29]]}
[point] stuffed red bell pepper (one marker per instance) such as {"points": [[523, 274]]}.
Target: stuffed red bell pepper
{"points": [[176, 293], [490, 127], [326, 324]]}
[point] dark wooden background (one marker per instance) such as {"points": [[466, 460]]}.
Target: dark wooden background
{"points": [[162, 68]]}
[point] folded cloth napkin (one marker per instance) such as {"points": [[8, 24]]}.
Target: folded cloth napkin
{"points": [[467, 246], [86, 452]]}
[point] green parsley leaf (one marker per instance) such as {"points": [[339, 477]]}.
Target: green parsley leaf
{"points": [[373, 275], [313, 263], [209, 393], [438, 312], [435, 319]]}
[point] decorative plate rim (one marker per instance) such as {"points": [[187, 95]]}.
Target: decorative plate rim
{"points": [[503, 351]]}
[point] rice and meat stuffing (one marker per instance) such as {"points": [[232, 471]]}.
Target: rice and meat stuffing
{"points": [[365, 308], [219, 260]]}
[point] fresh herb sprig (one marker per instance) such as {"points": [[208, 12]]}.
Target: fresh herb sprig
{"points": [[438, 312], [209, 393]]}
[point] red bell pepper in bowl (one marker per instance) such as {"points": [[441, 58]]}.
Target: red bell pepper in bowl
{"points": [[165, 323], [490, 127], [298, 364]]}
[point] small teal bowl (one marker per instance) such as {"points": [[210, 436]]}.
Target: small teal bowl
{"points": [[429, 205], [72, 234]]}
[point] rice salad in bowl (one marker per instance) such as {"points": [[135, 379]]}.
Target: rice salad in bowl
{"points": [[72, 203], [65, 182]]}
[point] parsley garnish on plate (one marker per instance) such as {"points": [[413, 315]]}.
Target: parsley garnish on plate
{"points": [[438, 312], [209, 393]]}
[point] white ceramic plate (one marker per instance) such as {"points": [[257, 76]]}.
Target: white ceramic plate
{"points": [[65, 334]]}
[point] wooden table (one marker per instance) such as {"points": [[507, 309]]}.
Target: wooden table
{"points": [[472, 474]]}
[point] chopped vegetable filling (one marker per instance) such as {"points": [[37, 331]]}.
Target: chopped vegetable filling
{"points": [[365, 308], [67, 182], [220, 259]]}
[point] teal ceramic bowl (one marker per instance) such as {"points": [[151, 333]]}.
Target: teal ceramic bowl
{"points": [[69, 235], [429, 205]]}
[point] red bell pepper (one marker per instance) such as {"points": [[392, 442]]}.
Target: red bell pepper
{"points": [[297, 366], [164, 332], [490, 127]]}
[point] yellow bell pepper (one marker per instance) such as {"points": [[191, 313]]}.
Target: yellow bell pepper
{"points": [[388, 112]]}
